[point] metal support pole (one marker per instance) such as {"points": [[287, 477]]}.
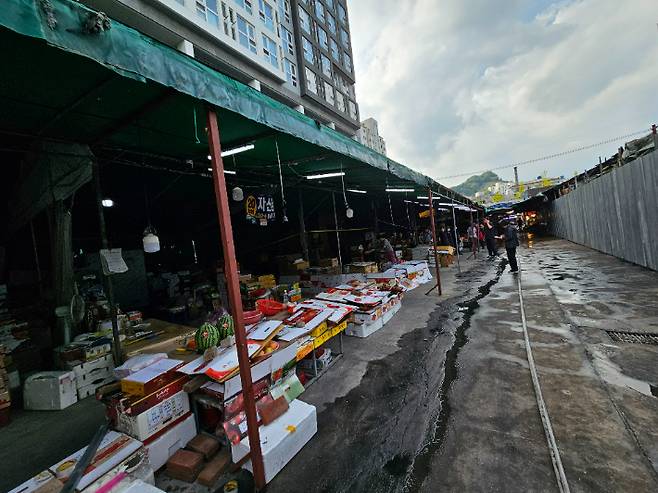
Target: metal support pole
{"points": [[434, 246], [340, 257], [654, 132], [303, 240], [233, 286], [454, 227], [37, 264], [109, 286]]}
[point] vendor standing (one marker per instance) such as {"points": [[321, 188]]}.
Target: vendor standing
{"points": [[511, 238], [387, 250], [490, 238]]}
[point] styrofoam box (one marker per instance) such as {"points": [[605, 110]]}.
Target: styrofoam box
{"points": [[166, 445], [40, 482], [277, 360], [389, 314], [91, 388], [93, 376], [278, 444], [49, 390], [64, 468], [156, 418], [137, 468], [85, 371], [364, 330], [140, 487]]}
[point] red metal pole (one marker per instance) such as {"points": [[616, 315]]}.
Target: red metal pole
{"points": [[233, 285], [436, 255]]}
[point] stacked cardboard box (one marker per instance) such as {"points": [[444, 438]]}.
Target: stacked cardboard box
{"points": [[5, 397], [91, 362], [152, 406]]}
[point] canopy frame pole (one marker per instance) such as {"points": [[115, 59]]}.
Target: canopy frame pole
{"points": [[454, 230], [434, 245], [340, 256], [303, 240], [235, 300], [116, 339]]}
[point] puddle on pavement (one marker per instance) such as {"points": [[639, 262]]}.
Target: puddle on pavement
{"points": [[420, 466], [613, 375]]}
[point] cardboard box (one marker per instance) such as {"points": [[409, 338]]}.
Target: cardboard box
{"points": [[113, 450], [44, 482], [364, 330], [50, 390], [328, 262], [171, 441], [151, 378], [363, 267], [133, 404], [136, 465], [143, 426], [282, 439]]}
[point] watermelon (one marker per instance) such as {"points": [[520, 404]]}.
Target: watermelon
{"points": [[225, 326], [206, 336]]}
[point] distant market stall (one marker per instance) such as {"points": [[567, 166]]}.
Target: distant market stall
{"points": [[114, 282]]}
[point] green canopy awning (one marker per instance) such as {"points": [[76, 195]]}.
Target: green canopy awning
{"points": [[129, 96]]}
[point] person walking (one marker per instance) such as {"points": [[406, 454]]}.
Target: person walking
{"points": [[511, 238], [473, 234], [490, 238]]}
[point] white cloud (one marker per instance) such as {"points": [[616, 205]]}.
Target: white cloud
{"points": [[460, 86]]}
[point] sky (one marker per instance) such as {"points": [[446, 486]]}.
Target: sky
{"points": [[463, 86]]}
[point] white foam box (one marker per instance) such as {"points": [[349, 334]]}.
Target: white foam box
{"points": [[364, 330], [136, 467], [88, 371], [151, 421], [172, 440], [389, 314], [49, 391], [277, 360], [282, 439], [91, 387], [113, 450]]}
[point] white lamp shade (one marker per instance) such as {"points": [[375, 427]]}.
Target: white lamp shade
{"points": [[238, 194], [349, 213], [151, 243]]}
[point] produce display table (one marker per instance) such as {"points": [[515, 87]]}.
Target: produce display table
{"points": [[167, 337]]}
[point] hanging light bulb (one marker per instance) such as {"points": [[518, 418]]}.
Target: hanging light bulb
{"points": [[150, 240], [349, 213], [237, 194]]}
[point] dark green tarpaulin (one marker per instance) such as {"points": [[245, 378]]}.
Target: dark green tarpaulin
{"points": [[140, 58]]}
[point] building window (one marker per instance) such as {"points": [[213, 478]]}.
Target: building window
{"points": [[246, 34], [334, 50], [319, 10], [348, 62], [291, 72], [207, 10], [270, 51], [323, 39], [245, 4], [288, 41], [340, 101], [331, 22], [284, 10], [330, 4], [305, 20], [342, 15], [329, 93], [326, 65], [307, 46], [266, 14], [345, 38], [229, 21], [353, 113], [311, 80]]}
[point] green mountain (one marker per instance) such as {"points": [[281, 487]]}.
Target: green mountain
{"points": [[477, 183]]}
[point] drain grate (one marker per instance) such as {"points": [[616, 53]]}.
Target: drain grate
{"points": [[633, 337]]}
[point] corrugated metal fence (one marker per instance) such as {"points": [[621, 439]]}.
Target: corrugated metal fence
{"points": [[616, 213]]}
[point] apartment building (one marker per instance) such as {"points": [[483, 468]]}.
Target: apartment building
{"points": [[369, 136], [263, 43]]}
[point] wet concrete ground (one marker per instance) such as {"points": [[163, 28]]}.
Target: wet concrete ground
{"points": [[447, 403], [441, 399]]}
